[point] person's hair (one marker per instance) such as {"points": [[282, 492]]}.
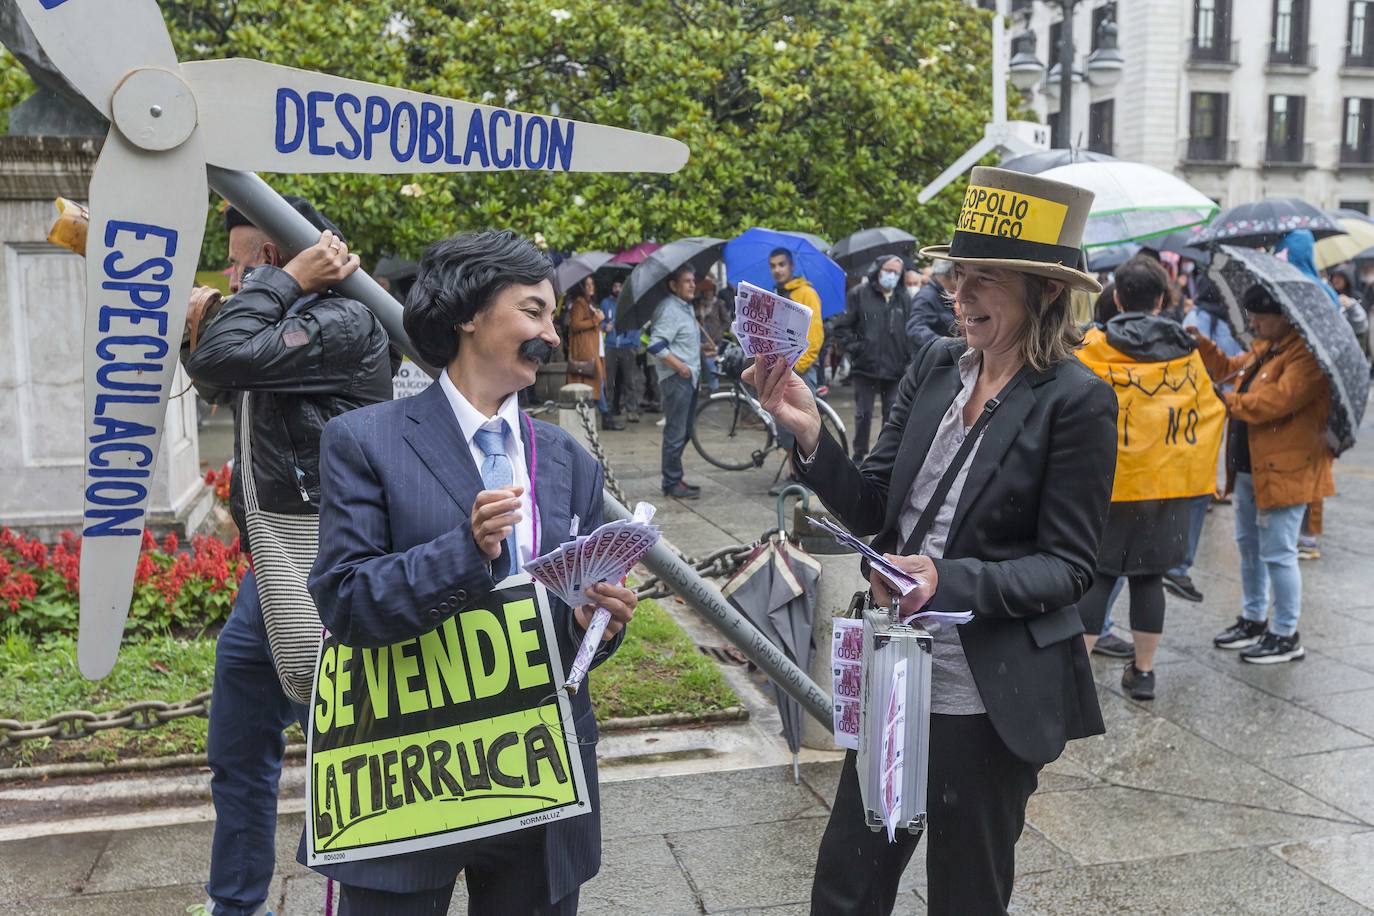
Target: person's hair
{"points": [[783, 252], [234, 218], [1258, 300], [1051, 334], [1345, 281], [461, 276], [1141, 284], [1104, 308]]}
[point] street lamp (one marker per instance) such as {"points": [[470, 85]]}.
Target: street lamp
{"points": [[1025, 68], [1103, 67]]}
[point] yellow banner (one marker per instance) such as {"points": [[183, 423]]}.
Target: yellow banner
{"points": [[458, 734], [1169, 423], [1007, 214]]}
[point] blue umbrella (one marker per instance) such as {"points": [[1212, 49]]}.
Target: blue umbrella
{"points": [[746, 258]]}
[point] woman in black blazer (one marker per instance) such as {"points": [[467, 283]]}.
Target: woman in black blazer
{"points": [[1013, 539]]}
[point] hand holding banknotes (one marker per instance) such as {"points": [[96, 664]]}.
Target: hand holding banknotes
{"points": [[784, 395], [617, 599], [921, 568]]}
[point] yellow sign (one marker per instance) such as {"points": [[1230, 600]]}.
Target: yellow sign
{"points": [[1010, 215], [1169, 423], [458, 734]]}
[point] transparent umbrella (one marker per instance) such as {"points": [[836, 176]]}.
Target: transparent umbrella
{"points": [[1133, 202]]}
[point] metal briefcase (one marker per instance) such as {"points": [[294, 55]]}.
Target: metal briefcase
{"points": [[886, 642]]}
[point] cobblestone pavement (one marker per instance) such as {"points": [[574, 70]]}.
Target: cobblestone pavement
{"points": [[1240, 789]]}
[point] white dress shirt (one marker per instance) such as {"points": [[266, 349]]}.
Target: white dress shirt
{"points": [[470, 420]]}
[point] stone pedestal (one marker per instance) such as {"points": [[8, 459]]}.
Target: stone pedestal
{"points": [[42, 296]]}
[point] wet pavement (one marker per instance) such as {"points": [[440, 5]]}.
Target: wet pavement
{"points": [[1240, 789]]}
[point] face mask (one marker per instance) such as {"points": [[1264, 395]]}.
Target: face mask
{"points": [[1188, 268], [887, 279], [911, 290]]}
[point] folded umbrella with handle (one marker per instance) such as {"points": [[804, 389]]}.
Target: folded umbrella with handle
{"points": [[169, 123]]}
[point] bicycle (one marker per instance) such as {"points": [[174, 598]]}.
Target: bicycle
{"points": [[734, 432]]}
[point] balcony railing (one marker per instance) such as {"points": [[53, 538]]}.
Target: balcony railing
{"points": [[1293, 55], [1220, 53], [1357, 157], [1292, 154], [1210, 150], [1363, 59]]}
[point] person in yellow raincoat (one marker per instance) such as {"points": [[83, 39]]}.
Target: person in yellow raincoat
{"points": [[1169, 426]]}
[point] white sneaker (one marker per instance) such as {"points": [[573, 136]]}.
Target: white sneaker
{"points": [[662, 422]]}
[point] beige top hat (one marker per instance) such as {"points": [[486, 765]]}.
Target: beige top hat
{"points": [[1021, 222]]}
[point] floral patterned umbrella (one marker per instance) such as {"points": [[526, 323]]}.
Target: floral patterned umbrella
{"points": [[1328, 335], [1262, 223]]}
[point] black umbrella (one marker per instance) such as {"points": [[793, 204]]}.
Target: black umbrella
{"points": [[1184, 244], [1111, 257], [855, 252], [648, 282], [1044, 160], [1328, 335], [577, 268], [1262, 223]]}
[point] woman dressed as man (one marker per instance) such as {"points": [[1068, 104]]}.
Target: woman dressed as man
{"points": [[427, 503], [990, 482]]}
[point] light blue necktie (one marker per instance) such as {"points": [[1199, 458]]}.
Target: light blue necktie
{"points": [[497, 473]]}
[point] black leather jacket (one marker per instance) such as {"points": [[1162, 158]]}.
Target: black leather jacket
{"points": [[306, 359]]}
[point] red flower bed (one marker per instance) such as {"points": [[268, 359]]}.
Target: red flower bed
{"points": [[175, 589]]}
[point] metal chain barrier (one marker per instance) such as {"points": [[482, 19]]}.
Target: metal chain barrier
{"points": [[148, 714], [68, 726], [588, 418]]}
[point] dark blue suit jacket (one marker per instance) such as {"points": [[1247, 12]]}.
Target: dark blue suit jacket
{"points": [[397, 484]]}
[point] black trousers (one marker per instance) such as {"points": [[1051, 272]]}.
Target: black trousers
{"points": [[976, 807], [505, 877], [1147, 603], [623, 380], [865, 389]]}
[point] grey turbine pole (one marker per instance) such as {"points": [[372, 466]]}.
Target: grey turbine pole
{"points": [[255, 199], [706, 600]]}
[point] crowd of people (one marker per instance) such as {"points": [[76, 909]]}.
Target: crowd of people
{"points": [[1033, 461]]}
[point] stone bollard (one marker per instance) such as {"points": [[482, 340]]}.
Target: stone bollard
{"points": [[839, 580], [568, 397]]}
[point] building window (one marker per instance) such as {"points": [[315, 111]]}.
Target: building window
{"points": [[1056, 141], [1101, 118], [1357, 144], [1101, 15], [1207, 127], [1360, 49], [1056, 36], [1284, 142], [1359, 206], [1289, 37], [1212, 29]]}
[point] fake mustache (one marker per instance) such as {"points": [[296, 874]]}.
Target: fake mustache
{"points": [[537, 349]]}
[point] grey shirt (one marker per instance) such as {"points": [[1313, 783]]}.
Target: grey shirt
{"points": [[952, 690], [674, 330]]}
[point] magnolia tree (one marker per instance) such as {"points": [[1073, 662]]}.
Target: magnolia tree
{"points": [[820, 115]]}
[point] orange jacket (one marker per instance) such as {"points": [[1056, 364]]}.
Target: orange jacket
{"points": [[1286, 408]]}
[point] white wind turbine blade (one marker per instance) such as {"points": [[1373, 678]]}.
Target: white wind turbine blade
{"points": [[266, 118], [960, 165], [95, 43], [147, 220]]}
